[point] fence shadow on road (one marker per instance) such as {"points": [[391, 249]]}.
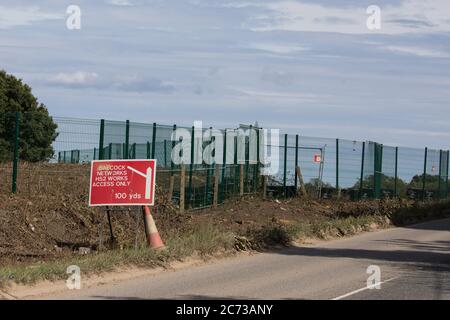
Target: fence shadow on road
{"points": [[431, 258], [424, 262], [436, 225], [418, 245]]}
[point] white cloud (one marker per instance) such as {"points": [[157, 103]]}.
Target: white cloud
{"points": [[75, 78], [122, 3], [278, 48], [411, 16], [12, 17], [419, 52], [91, 80], [138, 83], [273, 95]]}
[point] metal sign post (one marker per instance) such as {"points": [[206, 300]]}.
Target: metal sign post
{"points": [[125, 183]]}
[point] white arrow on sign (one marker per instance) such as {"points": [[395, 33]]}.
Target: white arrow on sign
{"points": [[148, 180]]}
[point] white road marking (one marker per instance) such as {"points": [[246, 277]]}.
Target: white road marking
{"points": [[363, 289]]}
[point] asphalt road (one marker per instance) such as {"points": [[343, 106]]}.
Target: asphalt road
{"points": [[414, 264]]}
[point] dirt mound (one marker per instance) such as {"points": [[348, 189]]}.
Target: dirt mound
{"points": [[49, 226], [50, 217]]}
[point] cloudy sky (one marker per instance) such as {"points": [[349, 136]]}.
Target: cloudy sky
{"points": [[311, 67]]}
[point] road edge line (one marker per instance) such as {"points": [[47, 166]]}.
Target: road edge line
{"points": [[363, 289]]}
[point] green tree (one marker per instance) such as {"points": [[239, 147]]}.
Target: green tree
{"points": [[387, 183], [312, 186], [37, 129], [431, 182]]}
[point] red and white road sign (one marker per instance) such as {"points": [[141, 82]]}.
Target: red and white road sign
{"points": [[317, 158], [122, 183]]}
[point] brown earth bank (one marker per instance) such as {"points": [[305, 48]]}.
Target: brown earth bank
{"points": [[48, 225]]}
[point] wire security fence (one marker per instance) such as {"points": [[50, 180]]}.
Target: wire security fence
{"points": [[320, 167]]}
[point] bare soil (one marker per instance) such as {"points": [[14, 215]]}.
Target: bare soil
{"points": [[49, 217]]}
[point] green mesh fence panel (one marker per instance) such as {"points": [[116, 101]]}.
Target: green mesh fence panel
{"points": [[366, 189], [75, 134], [443, 175], [62, 174], [141, 141], [388, 181], [307, 152], [78, 144], [229, 185], [432, 176], [290, 160], [349, 174], [309, 147], [114, 139], [410, 171]]}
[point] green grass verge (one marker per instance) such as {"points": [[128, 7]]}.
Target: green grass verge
{"points": [[204, 241]]}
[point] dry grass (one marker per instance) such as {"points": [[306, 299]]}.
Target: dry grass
{"points": [[205, 241]]}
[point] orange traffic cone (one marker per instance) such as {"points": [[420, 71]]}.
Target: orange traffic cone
{"points": [[153, 237]]}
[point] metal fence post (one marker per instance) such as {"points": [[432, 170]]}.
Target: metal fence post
{"points": [[247, 160], [16, 153], [237, 171], [361, 179], [378, 160], [208, 175], [224, 165], [93, 157], [338, 189], [257, 168], [148, 150], [446, 174], [110, 151], [127, 139], [172, 165], [165, 153], [182, 187], [285, 165], [241, 179], [424, 177], [296, 163], [101, 150], [216, 185], [191, 166], [440, 175], [153, 140], [381, 168], [396, 174]]}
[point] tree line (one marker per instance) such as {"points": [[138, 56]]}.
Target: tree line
{"points": [[37, 128]]}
